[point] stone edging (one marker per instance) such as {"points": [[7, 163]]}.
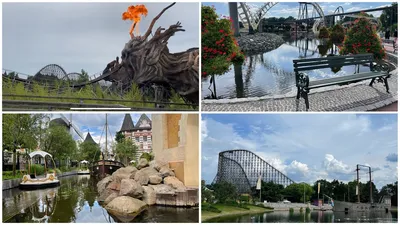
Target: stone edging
{"points": [[9, 184]]}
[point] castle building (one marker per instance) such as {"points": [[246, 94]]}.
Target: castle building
{"points": [[141, 133]]}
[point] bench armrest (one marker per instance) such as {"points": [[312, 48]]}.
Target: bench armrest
{"points": [[381, 67], [303, 80]]}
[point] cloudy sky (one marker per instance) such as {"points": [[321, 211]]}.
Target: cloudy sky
{"points": [[306, 147], [83, 35], [285, 9], [95, 123]]}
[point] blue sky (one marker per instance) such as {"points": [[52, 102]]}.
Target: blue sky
{"points": [[95, 124], [285, 9], [306, 147]]}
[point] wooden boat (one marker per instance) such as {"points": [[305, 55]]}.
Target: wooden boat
{"points": [[30, 181], [84, 170], [104, 166]]}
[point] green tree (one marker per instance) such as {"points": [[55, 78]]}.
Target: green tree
{"points": [[362, 38], [390, 190], [224, 191], [21, 131], [59, 143], [219, 47], [269, 191], [206, 194], [89, 151], [119, 137], [126, 150], [298, 192], [389, 17], [83, 77]]}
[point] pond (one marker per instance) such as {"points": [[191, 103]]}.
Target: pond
{"points": [[312, 217], [271, 73], [76, 201]]}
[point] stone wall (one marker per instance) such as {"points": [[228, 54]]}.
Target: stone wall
{"points": [[188, 198]]}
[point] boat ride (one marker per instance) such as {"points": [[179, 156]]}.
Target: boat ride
{"points": [[83, 167], [32, 181]]}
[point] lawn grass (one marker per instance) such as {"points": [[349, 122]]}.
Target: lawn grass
{"points": [[227, 210]]}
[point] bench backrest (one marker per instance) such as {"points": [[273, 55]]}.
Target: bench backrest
{"points": [[332, 61]]}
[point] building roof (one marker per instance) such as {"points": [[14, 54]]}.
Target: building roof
{"points": [[144, 123], [127, 125], [89, 139]]}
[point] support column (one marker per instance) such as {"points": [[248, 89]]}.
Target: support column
{"points": [[233, 13]]}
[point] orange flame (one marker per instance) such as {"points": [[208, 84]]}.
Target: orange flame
{"points": [[133, 13]]}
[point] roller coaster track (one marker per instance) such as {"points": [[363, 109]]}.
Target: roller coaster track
{"points": [[253, 19]]}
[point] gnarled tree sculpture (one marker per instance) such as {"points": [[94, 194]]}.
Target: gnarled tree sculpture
{"points": [[149, 63]]}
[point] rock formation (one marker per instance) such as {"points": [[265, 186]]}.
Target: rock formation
{"points": [[128, 191]]}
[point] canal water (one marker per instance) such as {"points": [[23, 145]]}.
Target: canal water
{"points": [[271, 73], [76, 201], [312, 217]]}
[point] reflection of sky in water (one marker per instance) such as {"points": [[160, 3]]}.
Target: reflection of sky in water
{"points": [[271, 73], [95, 214]]}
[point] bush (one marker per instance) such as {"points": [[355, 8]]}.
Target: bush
{"points": [[362, 38], [209, 207], [291, 210], [323, 33], [148, 156], [219, 47], [337, 34], [244, 198], [38, 169], [262, 205], [58, 172], [301, 209], [8, 175], [308, 210], [235, 204]]}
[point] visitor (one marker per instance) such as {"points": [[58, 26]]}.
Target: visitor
{"points": [[387, 34], [395, 34]]}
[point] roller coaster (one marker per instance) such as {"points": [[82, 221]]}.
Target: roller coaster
{"points": [[242, 168]]}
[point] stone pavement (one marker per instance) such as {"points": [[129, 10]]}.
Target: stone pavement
{"points": [[353, 97]]}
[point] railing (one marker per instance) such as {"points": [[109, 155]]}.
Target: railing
{"points": [[107, 163]]}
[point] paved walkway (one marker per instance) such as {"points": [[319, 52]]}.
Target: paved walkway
{"points": [[353, 97]]}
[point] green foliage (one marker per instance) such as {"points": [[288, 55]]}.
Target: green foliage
{"points": [[58, 171], [219, 47], [301, 209], [323, 49], [61, 90], [148, 156], [209, 207], [58, 142], [37, 169], [308, 210], [126, 150], [291, 210], [236, 204], [390, 190], [323, 33], [89, 151], [337, 34], [119, 137], [224, 191], [297, 191], [262, 205], [244, 198], [8, 175], [362, 38], [269, 191], [388, 18], [206, 194]]}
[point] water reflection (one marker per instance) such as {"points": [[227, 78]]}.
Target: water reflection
{"points": [[312, 217], [271, 73], [76, 201]]}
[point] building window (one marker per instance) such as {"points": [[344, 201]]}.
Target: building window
{"points": [[144, 138], [137, 139]]}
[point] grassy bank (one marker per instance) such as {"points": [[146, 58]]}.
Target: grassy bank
{"points": [[227, 210]]}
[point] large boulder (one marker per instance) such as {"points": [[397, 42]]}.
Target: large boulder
{"points": [[114, 185], [155, 179], [166, 172], [142, 163], [131, 188], [149, 196], [155, 165], [124, 173], [141, 177], [125, 205], [150, 171], [101, 185], [110, 197], [175, 183], [105, 194], [163, 189]]}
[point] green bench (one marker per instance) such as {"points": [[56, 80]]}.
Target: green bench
{"points": [[304, 85]]}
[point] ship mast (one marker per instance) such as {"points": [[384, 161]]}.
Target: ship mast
{"points": [[370, 183]]}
